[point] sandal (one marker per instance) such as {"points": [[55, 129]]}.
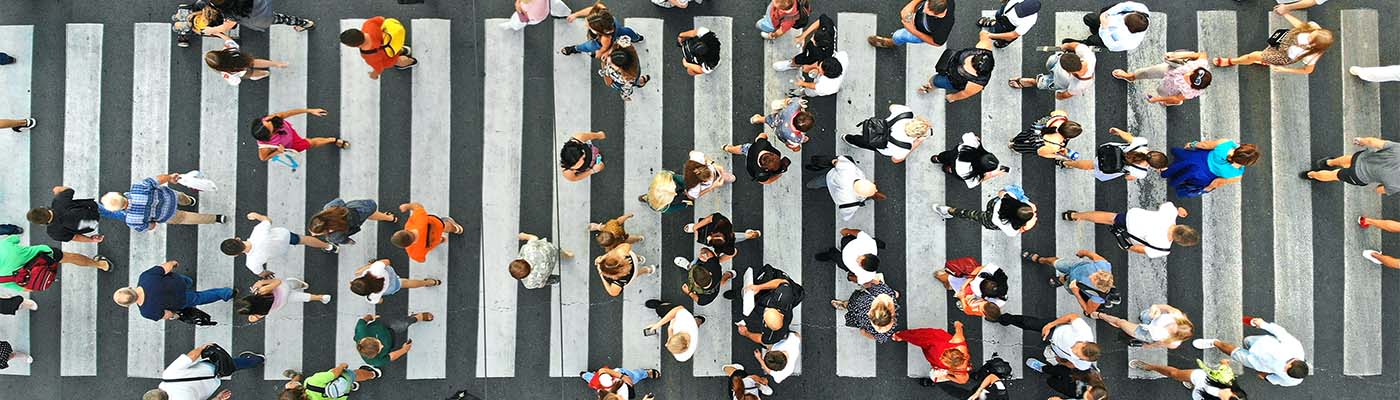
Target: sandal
{"points": [[653, 374], [1030, 256], [433, 282], [642, 82], [1015, 83], [1305, 176], [1223, 62], [304, 28], [568, 50], [342, 144], [1121, 74], [1068, 215], [424, 316], [925, 89], [986, 22], [409, 66], [1055, 282], [102, 260], [838, 304]]}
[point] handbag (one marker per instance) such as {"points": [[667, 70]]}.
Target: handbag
{"points": [[1125, 239], [1276, 38], [37, 275], [196, 317], [223, 362]]}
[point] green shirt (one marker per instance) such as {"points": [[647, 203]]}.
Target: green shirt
{"points": [[335, 385], [14, 255], [379, 331]]}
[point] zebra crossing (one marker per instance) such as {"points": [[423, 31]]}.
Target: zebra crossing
{"points": [[1001, 114]]}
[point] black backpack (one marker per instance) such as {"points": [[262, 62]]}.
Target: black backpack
{"points": [[1111, 158], [1110, 298], [876, 130], [1000, 368], [1028, 141]]}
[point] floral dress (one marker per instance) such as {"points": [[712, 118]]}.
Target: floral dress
{"points": [[858, 311]]}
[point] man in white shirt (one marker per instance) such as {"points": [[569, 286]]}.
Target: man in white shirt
{"points": [[268, 243], [780, 360], [1147, 232], [823, 78], [190, 377], [1277, 356], [859, 250], [1014, 19], [847, 184], [1070, 337], [1071, 72], [1120, 27]]}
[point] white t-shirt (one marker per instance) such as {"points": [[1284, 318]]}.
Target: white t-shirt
{"points": [[1074, 85], [268, 243], [976, 284], [1153, 227], [684, 322], [1200, 381], [897, 133], [1160, 328], [792, 347], [1023, 23], [829, 86], [1138, 145], [715, 177], [1062, 341], [841, 183], [184, 367], [377, 270], [850, 256]]}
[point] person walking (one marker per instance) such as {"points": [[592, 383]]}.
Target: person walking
{"points": [[1184, 75], [768, 325], [1142, 231], [818, 41], [745, 386], [605, 31], [963, 72], [256, 15], [332, 384], [1089, 279], [269, 244], [34, 267], [268, 295], [764, 163], [845, 182], [276, 135], [614, 232], [1388, 73], [1277, 356], [234, 65], [1048, 137], [422, 232], [1217, 383], [1159, 326], [622, 71], [1070, 340], [789, 120], [70, 219], [769, 298], [1285, 6], [1130, 159], [381, 341], [780, 17], [856, 249], [1010, 211], [1071, 72], [151, 202], [163, 294], [1306, 42], [340, 219], [682, 328], [532, 12], [617, 383], [1377, 162], [822, 78], [924, 21], [700, 50], [1013, 19], [980, 290], [538, 263], [703, 175], [1201, 167], [580, 158], [382, 43], [194, 376], [780, 360], [378, 279], [873, 310], [901, 133], [619, 266], [18, 125], [970, 162], [946, 352], [1120, 27], [700, 282], [716, 232]]}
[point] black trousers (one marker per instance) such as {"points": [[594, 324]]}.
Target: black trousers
{"points": [[1025, 322], [859, 141], [1092, 21], [1063, 379]]}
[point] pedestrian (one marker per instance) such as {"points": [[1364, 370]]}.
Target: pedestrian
{"points": [[382, 43], [1071, 72], [745, 386], [1285, 6], [990, 382], [703, 175], [769, 298], [873, 310], [780, 17], [1010, 211], [531, 12], [580, 158], [332, 384], [1184, 75], [622, 71], [196, 376], [276, 135], [618, 383], [1069, 340], [924, 21], [1375, 256], [780, 360], [151, 202], [538, 263], [1377, 162], [663, 192], [790, 121], [1159, 326], [700, 283], [1277, 356], [163, 294], [980, 290], [845, 182], [818, 43], [963, 72], [946, 352], [1048, 137], [901, 133], [70, 219], [619, 266], [25, 268], [716, 232], [1120, 27], [269, 244], [340, 219], [856, 249], [764, 163], [1218, 383], [1071, 383], [381, 341], [234, 65], [422, 232], [970, 162], [822, 78], [677, 3], [378, 279], [8, 354], [605, 32], [682, 328], [613, 232], [18, 125], [1013, 19], [700, 49], [256, 15], [766, 325], [1131, 159], [268, 295], [1089, 279], [1389, 73], [1201, 167], [1143, 231], [1306, 42]]}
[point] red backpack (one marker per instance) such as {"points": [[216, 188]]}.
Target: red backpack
{"points": [[37, 275]]}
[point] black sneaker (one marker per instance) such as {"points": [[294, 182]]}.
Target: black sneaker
{"points": [[220, 218], [824, 256], [1136, 343], [653, 303], [729, 294], [568, 50], [334, 249], [249, 353]]}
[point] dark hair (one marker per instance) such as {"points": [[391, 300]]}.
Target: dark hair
{"points": [[260, 131], [227, 60], [232, 247], [991, 311], [334, 219], [981, 162], [519, 269], [1070, 129], [771, 161], [1136, 22], [1154, 159], [622, 58], [1092, 351], [1298, 369], [1071, 62], [831, 67], [1025, 213], [365, 285], [775, 360], [696, 173], [352, 37], [1187, 236], [39, 215], [1200, 78], [869, 262], [938, 6], [607, 239], [803, 120], [600, 19], [983, 63], [296, 393], [701, 277], [1247, 154], [573, 151], [992, 289], [254, 304]]}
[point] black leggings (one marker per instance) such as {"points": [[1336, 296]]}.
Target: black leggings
{"points": [[284, 19], [1025, 322]]}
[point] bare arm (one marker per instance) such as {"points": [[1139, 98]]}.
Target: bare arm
{"points": [[669, 316], [587, 136]]}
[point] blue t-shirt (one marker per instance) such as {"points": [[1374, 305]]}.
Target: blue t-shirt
{"points": [[163, 292], [1083, 269], [1219, 162]]}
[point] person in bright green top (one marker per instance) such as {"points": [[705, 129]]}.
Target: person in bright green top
{"points": [[14, 255], [374, 338], [333, 384]]}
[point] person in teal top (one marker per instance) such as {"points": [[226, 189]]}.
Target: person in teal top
{"points": [[1200, 167], [14, 255], [333, 384], [381, 341]]}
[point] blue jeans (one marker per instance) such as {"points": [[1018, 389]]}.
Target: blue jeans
{"points": [[198, 298], [903, 36], [117, 215], [637, 375], [942, 82], [765, 25], [247, 361], [593, 44]]}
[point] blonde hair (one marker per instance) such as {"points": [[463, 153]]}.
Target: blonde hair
{"points": [[678, 343], [124, 297], [1183, 334], [1102, 280], [113, 201], [918, 128], [662, 191]]}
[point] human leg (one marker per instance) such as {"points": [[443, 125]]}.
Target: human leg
{"points": [[1025, 322], [1383, 224], [202, 297], [514, 23], [1124, 325], [314, 242], [1084, 164], [85, 261], [859, 141], [1153, 72], [979, 216], [818, 182], [637, 375], [765, 25], [624, 31], [418, 283], [1097, 217], [247, 360], [1390, 73], [284, 19], [189, 218], [903, 36], [12, 123]]}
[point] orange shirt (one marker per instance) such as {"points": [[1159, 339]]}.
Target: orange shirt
{"points": [[377, 59], [429, 231]]}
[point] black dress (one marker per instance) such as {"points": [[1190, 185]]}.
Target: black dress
{"points": [[756, 171]]}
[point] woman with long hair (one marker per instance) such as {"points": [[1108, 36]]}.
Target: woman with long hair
{"points": [[970, 162], [378, 279], [622, 71], [604, 32], [234, 65], [872, 310], [703, 175], [619, 266], [269, 295], [1159, 326], [340, 219], [1305, 43]]}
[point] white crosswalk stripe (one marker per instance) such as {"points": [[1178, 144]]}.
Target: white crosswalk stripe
{"points": [[82, 154], [782, 222], [1072, 236], [1147, 277], [1222, 295], [286, 200], [572, 114], [1361, 100], [855, 354], [643, 131], [432, 136], [18, 41], [359, 179], [1293, 264], [218, 159], [925, 299], [500, 151], [1001, 120], [714, 105], [150, 156]]}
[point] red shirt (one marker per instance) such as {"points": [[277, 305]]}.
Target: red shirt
{"points": [[933, 342], [377, 59]]}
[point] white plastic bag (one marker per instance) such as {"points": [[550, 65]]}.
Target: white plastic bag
{"points": [[197, 181]]}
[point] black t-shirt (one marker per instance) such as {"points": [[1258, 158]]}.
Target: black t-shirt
{"points": [[756, 171], [69, 214], [938, 28], [820, 44], [716, 274], [719, 224], [754, 322], [785, 297], [951, 64], [691, 48]]}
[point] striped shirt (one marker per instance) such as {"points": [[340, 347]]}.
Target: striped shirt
{"points": [[149, 201]]}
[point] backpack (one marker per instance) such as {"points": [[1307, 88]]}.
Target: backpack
{"points": [[37, 275], [394, 37], [1112, 158], [961, 267], [1110, 298], [1028, 141], [877, 130], [1000, 368]]}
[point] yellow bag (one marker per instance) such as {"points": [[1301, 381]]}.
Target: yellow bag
{"points": [[394, 37]]}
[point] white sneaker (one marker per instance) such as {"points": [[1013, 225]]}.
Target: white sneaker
{"points": [[688, 228], [682, 262], [785, 65], [325, 299], [1203, 343], [662, 3], [1355, 70], [28, 359], [765, 390], [1370, 255], [29, 304], [942, 211]]}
